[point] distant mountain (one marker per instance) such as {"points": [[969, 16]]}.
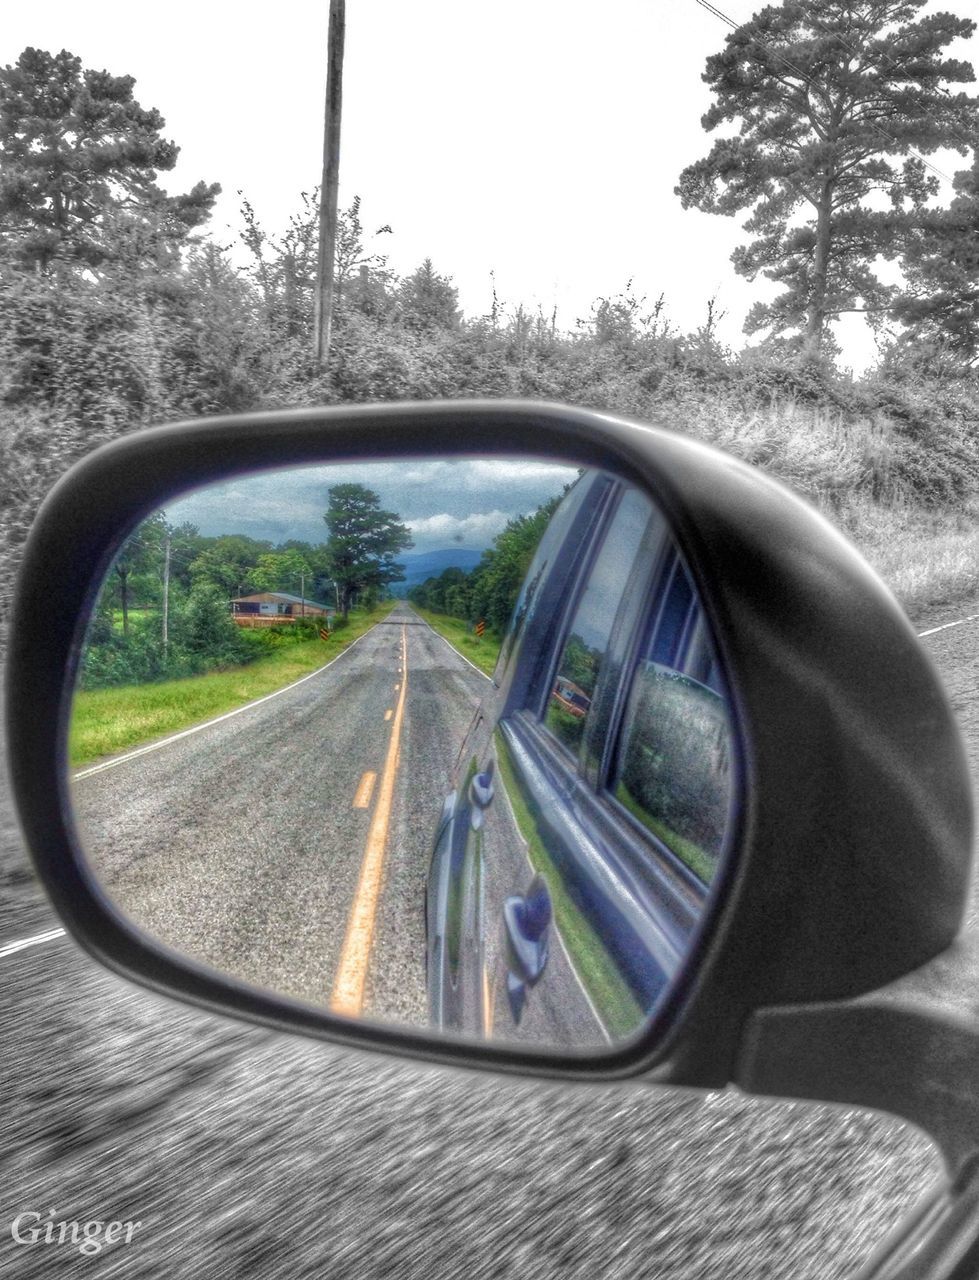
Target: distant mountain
{"points": [[429, 564]]}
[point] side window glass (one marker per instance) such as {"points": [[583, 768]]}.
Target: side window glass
{"points": [[673, 767], [550, 544], [588, 637]]}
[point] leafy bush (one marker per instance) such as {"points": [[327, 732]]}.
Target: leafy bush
{"points": [[136, 658], [202, 637], [205, 628], [303, 629]]}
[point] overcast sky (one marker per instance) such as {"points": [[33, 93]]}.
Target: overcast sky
{"points": [[540, 139], [445, 504]]}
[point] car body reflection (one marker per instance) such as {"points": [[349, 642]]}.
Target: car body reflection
{"points": [[574, 862]]}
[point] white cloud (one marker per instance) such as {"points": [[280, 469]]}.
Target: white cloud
{"points": [[474, 530], [467, 500], [519, 471]]}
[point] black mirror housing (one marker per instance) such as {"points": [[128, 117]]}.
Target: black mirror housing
{"points": [[853, 852]]}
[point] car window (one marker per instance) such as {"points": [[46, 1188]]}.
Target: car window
{"points": [[550, 545], [673, 766], [587, 643]]}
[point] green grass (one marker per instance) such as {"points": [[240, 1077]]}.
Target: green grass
{"points": [[135, 613], [697, 859], [609, 993], [567, 728], [482, 653], [106, 721]]}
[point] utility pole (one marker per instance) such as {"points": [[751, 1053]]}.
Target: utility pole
{"points": [[166, 593], [323, 316]]}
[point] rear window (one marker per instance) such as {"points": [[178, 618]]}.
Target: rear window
{"points": [[578, 670], [673, 768]]}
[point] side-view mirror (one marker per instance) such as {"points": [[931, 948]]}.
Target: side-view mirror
{"points": [[506, 735]]}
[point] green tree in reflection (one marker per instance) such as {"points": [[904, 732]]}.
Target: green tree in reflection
{"points": [[363, 543]]}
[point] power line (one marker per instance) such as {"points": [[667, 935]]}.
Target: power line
{"points": [[717, 13]]}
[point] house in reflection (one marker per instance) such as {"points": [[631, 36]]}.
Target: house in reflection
{"points": [[276, 608], [570, 697]]}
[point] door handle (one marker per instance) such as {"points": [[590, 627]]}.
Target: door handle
{"points": [[526, 926]]}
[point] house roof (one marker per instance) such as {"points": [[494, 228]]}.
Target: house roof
{"points": [[284, 595]]}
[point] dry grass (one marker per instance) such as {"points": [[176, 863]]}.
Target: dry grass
{"points": [[848, 467], [926, 557], [819, 452]]}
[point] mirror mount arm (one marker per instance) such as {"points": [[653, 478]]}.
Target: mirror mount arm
{"points": [[845, 1052]]}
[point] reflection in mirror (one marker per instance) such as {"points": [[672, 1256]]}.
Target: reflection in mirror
{"points": [[298, 759]]}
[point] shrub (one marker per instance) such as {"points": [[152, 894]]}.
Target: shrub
{"points": [[307, 628], [205, 628]]}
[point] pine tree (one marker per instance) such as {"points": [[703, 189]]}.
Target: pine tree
{"points": [[79, 159], [831, 96], [940, 307], [428, 301]]}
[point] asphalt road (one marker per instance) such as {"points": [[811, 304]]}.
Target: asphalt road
{"points": [[243, 1153], [243, 845], [248, 844]]}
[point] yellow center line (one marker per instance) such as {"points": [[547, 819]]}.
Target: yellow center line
{"points": [[388, 714], [348, 989], [365, 790], [487, 1006]]}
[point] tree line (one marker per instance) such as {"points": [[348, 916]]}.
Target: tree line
{"points": [[488, 592], [165, 611], [839, 106], [119, 309]]}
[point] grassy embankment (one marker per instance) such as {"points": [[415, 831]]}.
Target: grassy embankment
{"points": [[927, 558], [105, 721], [905, 492], [904, 488], [481, 652]]}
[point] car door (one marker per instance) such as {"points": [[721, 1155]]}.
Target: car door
{"points": [[456, 913], [567, 839]]}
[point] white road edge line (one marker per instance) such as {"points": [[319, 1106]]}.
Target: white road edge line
{"points": [[456, 651], [206, 724], [971, 618], [22, 944]]}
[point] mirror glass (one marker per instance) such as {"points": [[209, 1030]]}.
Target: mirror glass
{"points": [[439, 743]]}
